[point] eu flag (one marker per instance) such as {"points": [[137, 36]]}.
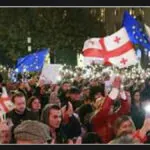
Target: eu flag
{"points": [[135, 31], [32, 62]]}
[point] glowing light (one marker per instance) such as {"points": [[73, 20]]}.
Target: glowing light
{"points": [[24, 70], [59, 78], [147, 108], [16, 70]]}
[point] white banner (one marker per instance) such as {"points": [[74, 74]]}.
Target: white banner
{"points": [[50, 73]]}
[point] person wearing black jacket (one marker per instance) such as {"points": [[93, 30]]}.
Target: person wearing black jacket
{"points": [[137, 111], [51, 115], [20, 113], [34, 105], [62, 93], [63, 123]]}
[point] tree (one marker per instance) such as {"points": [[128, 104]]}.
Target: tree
{"points": [[63, 30]]}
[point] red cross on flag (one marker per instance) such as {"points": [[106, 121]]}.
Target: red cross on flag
{"points": [[116, 49]]}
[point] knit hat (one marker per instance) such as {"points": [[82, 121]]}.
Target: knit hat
{"points": [[32, 131]]}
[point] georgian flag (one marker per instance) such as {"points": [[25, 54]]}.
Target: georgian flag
{"points": [[6, 104], [116, 49]]}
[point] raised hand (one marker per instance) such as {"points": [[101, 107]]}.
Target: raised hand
{"points": [[117, 82]]}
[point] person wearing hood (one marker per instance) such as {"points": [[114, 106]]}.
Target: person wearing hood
{"points": [[62, 122]]}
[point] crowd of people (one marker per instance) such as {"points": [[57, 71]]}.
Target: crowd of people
{"points": [[83, 110]]}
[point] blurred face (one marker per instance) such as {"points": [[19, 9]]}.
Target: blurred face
{"points": [[86, 92], [125, 127], [66, 86], [94, 83], [55, 118], [137, 96], [36, 105], [20, 104], [5, 134], [75, 96], [22, 85], [98, 95]]}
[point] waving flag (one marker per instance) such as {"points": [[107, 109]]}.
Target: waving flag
{"points": [[116, 49], [135, 31], [32, 62], [6, 104]]}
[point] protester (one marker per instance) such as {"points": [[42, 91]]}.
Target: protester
{"points": [[84, 107], [63, 124], [35, 106], [85, 112], [51, 115], [74, 97], [62, 92], [125, 139], [125, 126], [105, 115], [32, 132], [54, 96], [137, 110], [5, 133], [20, 112]]}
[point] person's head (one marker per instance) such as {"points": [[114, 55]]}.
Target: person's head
{"points": [[21, 85], [51, 115], [97, 92], [86, 100], [86, 91], [74, 94], [136, 96], [124, 125], [84, 112], [34, 104], [125, 139], [91, 138], [93, 83], [32, 132], [5, 133], [20, 102], [65, 86], [33, 81]]}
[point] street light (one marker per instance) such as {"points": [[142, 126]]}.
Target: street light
{"points": [[29, 48], [29, 42]]}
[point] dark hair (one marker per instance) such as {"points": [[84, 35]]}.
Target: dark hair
{"points": [[83, 111], [17, 94], [91, 138], [65, 82], [30, 100], [46, 112], [96, 89], [86, 98], [133, 94], [74, 90]]}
